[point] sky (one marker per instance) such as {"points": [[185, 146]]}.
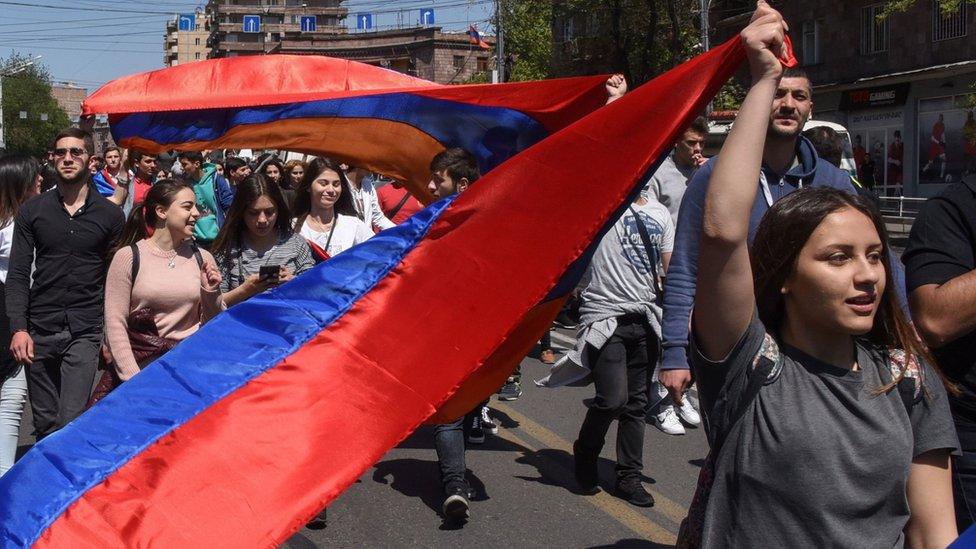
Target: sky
{"points": [[90, 42]]}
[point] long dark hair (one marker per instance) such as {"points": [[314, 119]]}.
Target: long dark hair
{"points": [[273, 161], [143, 216], [17, 175], [249, 190], [783, 232], [303, 199]]}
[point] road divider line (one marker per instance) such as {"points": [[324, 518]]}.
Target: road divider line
{"points": [[674, 511], [616, 508]]}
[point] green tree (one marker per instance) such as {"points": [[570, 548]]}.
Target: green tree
{"points": [[638, 38], [528, 38], [29, 90], [898, 6]]}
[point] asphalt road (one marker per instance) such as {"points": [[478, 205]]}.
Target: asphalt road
{"points": [[523, 477]]}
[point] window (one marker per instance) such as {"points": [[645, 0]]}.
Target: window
{"points": [[569, 29], [458, 61], [196, 55], [874, 31], [811, 42], [948, 24], [482, 64], [196, 41]]}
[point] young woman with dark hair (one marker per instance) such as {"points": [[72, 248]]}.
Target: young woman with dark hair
{"points": [[828, 427], [324, 211], [256, 248], [274, 170], [159, 282], [20, 179], [294, 173]]}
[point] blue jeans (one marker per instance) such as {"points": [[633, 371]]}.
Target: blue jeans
{"points": [[449, 443], [13, 395]]}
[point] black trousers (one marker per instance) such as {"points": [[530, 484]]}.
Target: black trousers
{"points": [[60, 379], [620, 375]]}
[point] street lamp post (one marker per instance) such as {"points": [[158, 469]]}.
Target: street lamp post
{"points": [[10, 72]]}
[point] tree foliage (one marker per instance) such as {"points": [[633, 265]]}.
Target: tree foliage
{"points": [[898, 6], [528, 38], [638, 38], [29, 91]]}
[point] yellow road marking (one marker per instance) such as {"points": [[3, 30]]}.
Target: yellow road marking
{"points": [[618, 509]]}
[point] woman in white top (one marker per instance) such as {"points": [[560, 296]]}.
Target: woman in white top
{"points": [[324, 212], [364, 199], [20, 179]]}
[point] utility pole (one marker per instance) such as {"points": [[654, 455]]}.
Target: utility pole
{"points": [[499, 42], [704, 6], [10, 72]]}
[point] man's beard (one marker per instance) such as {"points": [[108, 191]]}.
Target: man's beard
{"points": [[776, 132], [81, 177]]}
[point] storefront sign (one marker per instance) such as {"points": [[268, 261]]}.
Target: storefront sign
{"points": [[869, 98]]}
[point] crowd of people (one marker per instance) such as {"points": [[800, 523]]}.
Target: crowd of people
{"points": [[837, 387]]}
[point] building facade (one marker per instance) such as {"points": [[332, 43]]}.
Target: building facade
{"points": [[902, 85], [70, 97], [424, 52], [255, 27], [186, 39]]}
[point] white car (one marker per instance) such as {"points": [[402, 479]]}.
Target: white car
{"points": [[719, 128]]}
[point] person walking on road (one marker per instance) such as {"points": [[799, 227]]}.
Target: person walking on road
{"points": [[20, 179], [452, 172], [617, 345], [667, 186], [55, 287], [827, 425]]}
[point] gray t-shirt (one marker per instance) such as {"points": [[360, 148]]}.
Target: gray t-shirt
{"points": [[623, 269], [817, 460], [668, 184]]}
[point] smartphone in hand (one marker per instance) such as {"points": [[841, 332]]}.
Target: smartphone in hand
{"points": [[269, 273]]}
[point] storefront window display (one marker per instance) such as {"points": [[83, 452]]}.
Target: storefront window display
{"points": [[946, 138]]}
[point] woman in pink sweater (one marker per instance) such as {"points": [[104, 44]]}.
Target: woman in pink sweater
{"points": [[177, 286]]}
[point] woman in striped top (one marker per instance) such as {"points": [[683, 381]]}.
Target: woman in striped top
{"points": [[257, 234]]}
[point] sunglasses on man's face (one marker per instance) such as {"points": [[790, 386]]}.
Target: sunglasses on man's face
{"points": [[75, 152]]}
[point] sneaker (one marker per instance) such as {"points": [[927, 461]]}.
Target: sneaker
{"points": [[667, 421], [688, 413], [512, 390], [319, 522], [587, 474], [631, 489], [455, 506], [477, 433], [487, 422]]}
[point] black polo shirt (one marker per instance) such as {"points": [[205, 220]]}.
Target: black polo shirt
{"points": [[70, 257], [942, 246]]}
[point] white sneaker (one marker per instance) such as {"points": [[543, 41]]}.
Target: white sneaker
{"points": [[688, 413], [667, 421]]}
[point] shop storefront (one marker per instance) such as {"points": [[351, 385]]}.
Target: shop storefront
{"points": [[913, 133]]}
